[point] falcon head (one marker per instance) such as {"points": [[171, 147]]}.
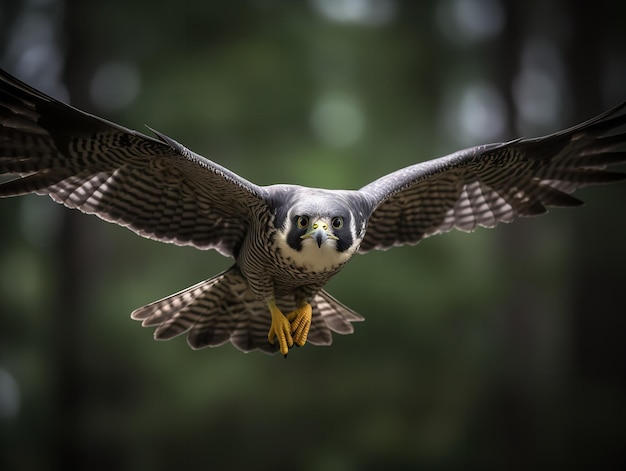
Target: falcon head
{"points": [[319, 230]]}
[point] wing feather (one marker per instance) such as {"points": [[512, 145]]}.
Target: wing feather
{"points": [[493, 183], [154, 186]]}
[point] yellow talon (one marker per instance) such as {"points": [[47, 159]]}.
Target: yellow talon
{"points": [[300, 320], [280, 328]]}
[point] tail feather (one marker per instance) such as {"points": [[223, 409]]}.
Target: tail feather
{"points": [[330, 314], [223, 309]]}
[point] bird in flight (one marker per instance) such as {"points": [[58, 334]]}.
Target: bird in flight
{"points": [[287, 241]]}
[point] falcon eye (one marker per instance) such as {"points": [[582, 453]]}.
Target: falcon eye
{"points": [[337, 222], [303, 222]]}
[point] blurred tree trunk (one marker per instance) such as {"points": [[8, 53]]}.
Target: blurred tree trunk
{"points": [[513, 421], [67, 345], [77, 267], [586, 56], [598, 314], [583, 62]]}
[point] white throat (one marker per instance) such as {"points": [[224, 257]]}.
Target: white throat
{"points": [[313, 258]]}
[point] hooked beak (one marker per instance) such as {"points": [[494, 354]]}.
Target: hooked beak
{"points": [[319, 232]]}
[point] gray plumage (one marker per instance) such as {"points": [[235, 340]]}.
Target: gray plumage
{"points": [[163, 191]]}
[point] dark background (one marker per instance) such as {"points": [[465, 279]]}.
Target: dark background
{"points": [[500, 349]]}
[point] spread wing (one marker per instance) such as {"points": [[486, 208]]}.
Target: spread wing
{"points": [[153, 186], [485, 185]]}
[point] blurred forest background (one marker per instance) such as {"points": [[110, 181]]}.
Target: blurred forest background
{"points": [[500, 349]]}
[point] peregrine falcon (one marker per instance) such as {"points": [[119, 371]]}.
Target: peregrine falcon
{"points": [[287, 241]]}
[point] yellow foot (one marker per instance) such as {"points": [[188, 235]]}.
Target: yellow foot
{"points": [[300, 320], [280, 328]]}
